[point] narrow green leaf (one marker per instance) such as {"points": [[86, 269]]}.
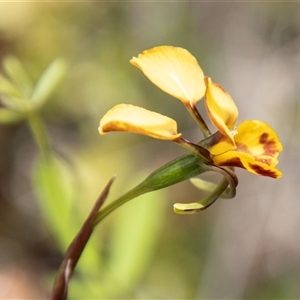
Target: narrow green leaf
{"points": [[53, 185], [49, 81], [18, 75]]}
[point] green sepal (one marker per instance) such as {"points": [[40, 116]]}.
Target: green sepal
{"points": [[209, 187], [226, 186], [188, 208], [191, 208]]}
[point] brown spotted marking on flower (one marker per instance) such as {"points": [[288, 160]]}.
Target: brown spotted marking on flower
{"points": [[268, 144]]}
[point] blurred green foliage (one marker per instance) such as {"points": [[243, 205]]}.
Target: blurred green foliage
{"points": [[238, 249]]}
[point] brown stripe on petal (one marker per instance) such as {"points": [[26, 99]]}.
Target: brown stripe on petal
{"points": [[212, 140], [261, 171], [234, 162], [113, 126]]}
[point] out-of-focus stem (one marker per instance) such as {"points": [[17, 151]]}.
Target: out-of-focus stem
{"points": [[40, 135]]}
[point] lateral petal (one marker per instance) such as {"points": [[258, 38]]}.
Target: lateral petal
{"points": [[134, 119]]}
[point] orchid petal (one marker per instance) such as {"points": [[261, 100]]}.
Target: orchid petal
{"points": [[134, 119], [248, 162], [174, 70], [221, 108]]}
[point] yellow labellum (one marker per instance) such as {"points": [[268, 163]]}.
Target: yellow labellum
{"points": [[248, 162], [130, 118], [257, 149], [174, 70], [258, 138], [221, 108]]}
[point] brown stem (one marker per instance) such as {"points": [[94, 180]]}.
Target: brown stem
{"points": [[74, 251], [197, 149]]}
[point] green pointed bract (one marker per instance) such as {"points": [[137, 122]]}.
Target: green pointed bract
{"points": [[177, 170]]}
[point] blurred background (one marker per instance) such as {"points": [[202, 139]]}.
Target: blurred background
{"points": [[244, 248]]}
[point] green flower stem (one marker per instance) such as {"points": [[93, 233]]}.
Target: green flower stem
{"points": [[40, 135], [177, 170], [135, 192], [199, 120]]}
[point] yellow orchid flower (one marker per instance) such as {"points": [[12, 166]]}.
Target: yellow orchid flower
{"points": [[253, 145], [130, 118], [174, 70]]}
